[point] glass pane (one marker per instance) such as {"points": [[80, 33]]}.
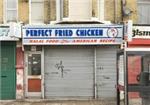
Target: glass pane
{"points": [[11, 15], [34, 64], [12, 4], [139, 79], [37, 17], [143, 9], [144, 0]]}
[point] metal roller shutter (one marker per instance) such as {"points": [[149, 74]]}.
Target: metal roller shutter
{"points": [[106, 71], [69, 72]]}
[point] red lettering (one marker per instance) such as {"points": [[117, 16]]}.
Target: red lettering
{"points": [[36, 41], [52, 41]]}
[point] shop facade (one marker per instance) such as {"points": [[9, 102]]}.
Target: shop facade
{"points": [[71, 61], [8, 43], [137, 67]]}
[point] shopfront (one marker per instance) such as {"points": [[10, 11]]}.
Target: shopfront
{"points": [[71, 61], [7, 63], [137, 67]]}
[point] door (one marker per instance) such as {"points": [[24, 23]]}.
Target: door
{"points": [[8, 71], [120, 77], [138, 78], [69, 72], [33, 74]]}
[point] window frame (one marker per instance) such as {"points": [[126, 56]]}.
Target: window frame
{"points": [[5, 11], [142, 19], [100, 11], [30, 15]]}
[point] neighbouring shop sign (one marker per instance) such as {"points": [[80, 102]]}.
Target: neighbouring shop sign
{"points": [[140, 35], [72, 35], [142, 32], [10, 32]]}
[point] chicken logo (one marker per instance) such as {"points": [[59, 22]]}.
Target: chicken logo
{"points": [[112, 32]]}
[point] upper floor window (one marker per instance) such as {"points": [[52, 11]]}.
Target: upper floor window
{"points": [[143, 11], [45, 11], [36, 11], [10, 11], [83, 9]]}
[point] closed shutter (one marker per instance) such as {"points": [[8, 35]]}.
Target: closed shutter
{"points": [[106, 71], [69, 72]]}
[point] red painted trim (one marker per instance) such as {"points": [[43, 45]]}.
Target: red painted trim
{"points": [[141, 42], [20, 58], [19, 67]]}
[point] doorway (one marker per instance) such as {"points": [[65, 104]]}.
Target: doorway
{"points": [[135, 77], [33, 74], [7, 70], [138, 78]]}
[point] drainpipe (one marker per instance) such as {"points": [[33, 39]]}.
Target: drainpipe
{"points": [[125, 77], [115, 11], [123, 4]]}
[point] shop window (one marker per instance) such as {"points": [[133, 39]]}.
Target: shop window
{"points": [[36, 8], [143, 11], [10, 11]]}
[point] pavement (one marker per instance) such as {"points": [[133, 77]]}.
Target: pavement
{"points": [[76, 102]]}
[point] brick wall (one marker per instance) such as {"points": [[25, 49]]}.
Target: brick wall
{"points": [[1, 11], [50, 10], [132, 5], [23, 11]]}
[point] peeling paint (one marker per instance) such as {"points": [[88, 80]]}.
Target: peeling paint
{"points": [[19, 74], [19, 87]]}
